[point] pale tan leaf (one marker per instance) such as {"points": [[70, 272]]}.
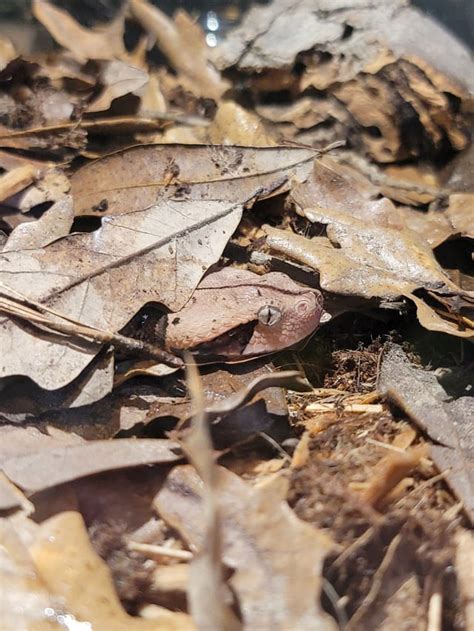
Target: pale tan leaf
{"points": [[232, 125], [27, 597], [433, 321], [105, 43], [465, 572], [16, 180], [53, 224], [183, 43], [117, 79], [50, 186], [67, 563], [369, 251], [277, 557], [7, 52]]}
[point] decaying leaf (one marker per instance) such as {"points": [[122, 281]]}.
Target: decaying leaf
{"points": [[105, 43], [80, 581], [54, 224], [183, 43], [97, 279], [16, 180], [448, 423], [135, 179], [55, 465], [117, 79], [49, 186], [256, 522], [369, 251]]}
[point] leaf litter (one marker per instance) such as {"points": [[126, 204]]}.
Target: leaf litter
{"points": [[323, 167]]}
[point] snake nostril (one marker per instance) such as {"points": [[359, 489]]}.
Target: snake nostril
{"points": [[269, 315]]}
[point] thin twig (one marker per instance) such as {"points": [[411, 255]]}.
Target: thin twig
{"points": [[9, 306]]}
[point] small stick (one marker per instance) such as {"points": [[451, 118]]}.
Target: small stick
{"points": [[152, 550], [68, 327]]}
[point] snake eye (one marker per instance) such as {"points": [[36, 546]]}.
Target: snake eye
{"points": [[269, 315]]}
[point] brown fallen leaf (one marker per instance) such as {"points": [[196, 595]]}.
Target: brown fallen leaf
{"points": [[16, 180], [277, 585], [50, 186], [92, 279], [369, 251], [233, 125], [447, 422], [85, 44], [78, 578], [183, 43], [134, 179], [117, 79], [53, 224], [49, 467]]}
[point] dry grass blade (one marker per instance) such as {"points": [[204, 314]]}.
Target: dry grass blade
{"points": [[206, 589], [34, 312]]}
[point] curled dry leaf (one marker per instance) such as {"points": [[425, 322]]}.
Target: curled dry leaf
{"points": [[369, 250], [16, 180], [183, 43], [117, 79], [136, 178], [277, 583], [447, 422], [53, 224], [49, 186], [84, 44], [101, 279]]}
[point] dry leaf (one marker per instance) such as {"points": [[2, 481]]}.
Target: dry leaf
{"points": [[232, 125], [117, 79], [277, 583], [49, 467], [105, 43], [369, 251], [53, 224], [7, 52], [27, 597], [183, 43], [98, 279], [50, 186], [448, 423], [16, 180], [79, 579], [465, 573], [134, 179], [264, 40]]}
